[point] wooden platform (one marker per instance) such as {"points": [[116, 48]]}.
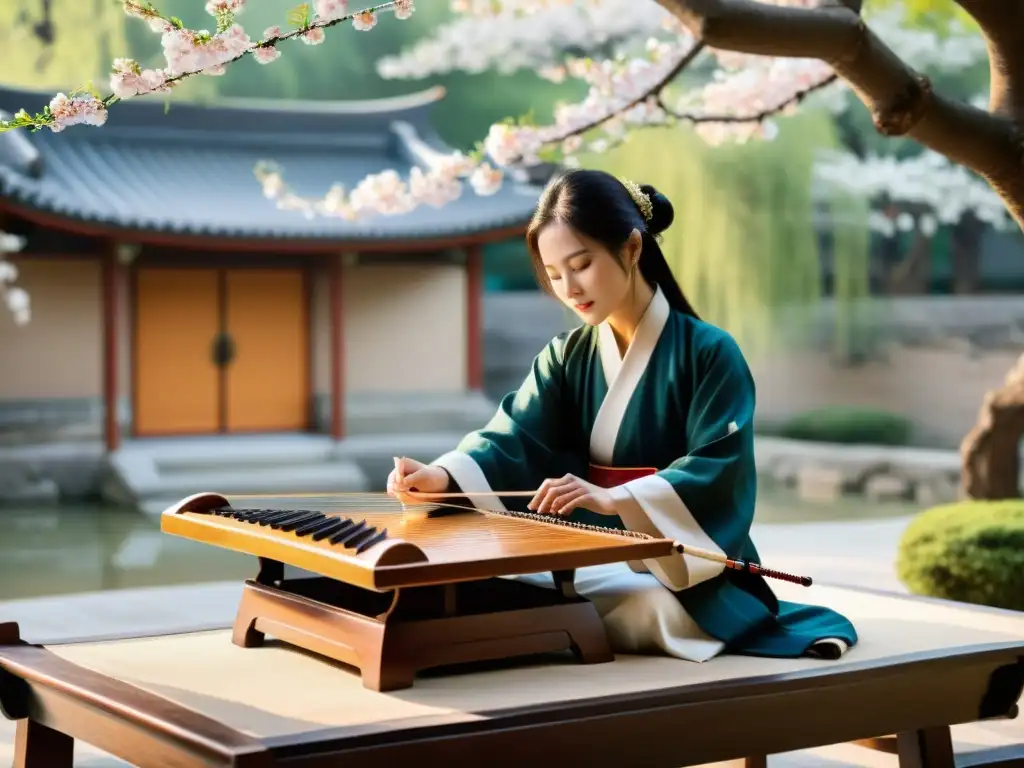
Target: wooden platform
{"points": [[197, 699]]}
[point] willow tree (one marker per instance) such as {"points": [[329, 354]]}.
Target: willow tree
{"points": [[30, 31], [772, 55], [746, 242]]}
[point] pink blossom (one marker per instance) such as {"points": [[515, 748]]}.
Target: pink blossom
{"points": [[364, 21], [485, 179], [403, 9], [434, 188], [329, 10], [190, 51], [313, 36], [266, 54], [129, 79], [83, 109], [214, 7], [151, 17]]}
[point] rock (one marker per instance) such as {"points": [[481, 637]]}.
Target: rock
{"points": [[888, 488], [785, 472], [819, 483], [38, 491], [935, 490]]}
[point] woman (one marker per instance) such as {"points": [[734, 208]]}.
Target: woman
{"points": [[641, 418]]}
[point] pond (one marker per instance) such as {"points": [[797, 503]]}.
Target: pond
{"points": [[58, 550]]}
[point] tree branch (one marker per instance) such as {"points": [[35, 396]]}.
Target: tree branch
{"points": [[1002, 24], [748, 117], [901, 100], [654, 91]]}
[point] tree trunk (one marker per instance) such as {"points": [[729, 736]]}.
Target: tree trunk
{"points": [[990, 451], [911, 276], [904, 103]]}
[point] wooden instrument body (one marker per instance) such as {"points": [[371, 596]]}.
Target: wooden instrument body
{"points": [[429, 594]]}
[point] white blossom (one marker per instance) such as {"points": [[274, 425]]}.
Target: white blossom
{"points": [[15, 298], [626, 52], [928, 180]]}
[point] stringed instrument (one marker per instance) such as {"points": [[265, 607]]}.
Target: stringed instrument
{"points": [[395, 588]]}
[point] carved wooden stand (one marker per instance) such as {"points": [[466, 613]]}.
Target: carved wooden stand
{"points": [[390, 637]]}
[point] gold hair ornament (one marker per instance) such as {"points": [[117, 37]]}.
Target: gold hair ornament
{"points": [[642, 200]]}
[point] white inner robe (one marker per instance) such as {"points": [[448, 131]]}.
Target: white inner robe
{"points": [[634, 600]]}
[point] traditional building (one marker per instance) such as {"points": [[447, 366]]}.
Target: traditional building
{"points": [[172, 299]]}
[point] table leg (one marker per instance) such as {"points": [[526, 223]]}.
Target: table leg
{"points": [[926, 748], [756, 761], [39, 746]]}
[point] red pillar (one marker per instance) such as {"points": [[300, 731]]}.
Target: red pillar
{"points": [[474, 317], [111, 313], [337, 356]]}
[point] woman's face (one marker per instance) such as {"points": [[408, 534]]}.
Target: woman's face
{"points": [[584, 275]]}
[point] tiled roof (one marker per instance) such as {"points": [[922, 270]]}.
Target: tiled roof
{"points": [[189, 170]]}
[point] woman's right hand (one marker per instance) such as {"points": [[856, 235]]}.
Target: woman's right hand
{"points": [[410, 475]]}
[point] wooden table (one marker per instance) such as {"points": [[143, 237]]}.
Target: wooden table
{"points": [[194, 699]]}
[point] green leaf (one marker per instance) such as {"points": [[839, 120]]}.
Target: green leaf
{"points": [[224, 21], [551, 153], [299, 16]]}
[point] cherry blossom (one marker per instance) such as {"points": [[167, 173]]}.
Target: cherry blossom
{"points": [[509, 41], [191, 52], [628, 54], [929, 181], [940, 192]]}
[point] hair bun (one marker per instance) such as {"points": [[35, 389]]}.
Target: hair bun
{"points": [[662, 212]]}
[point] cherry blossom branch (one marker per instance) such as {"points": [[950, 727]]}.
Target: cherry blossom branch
{"points": [[621, 94], [649, 97], [761, 115], [507, 39], [901, 101], [190, 53]]}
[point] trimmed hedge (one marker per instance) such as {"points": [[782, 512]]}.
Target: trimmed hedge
{"points": [[851, 426], [970, 551]]}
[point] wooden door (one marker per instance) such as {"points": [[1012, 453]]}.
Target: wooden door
{"points": [[267, 381], [177, 385]]}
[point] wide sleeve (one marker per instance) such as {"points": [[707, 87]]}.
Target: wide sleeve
{"points": [[526, 441], [706, 498]]}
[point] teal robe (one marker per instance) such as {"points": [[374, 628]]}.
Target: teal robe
{"points": [[680, 401]]}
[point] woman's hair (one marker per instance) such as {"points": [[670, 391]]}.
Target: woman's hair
{"points": [[599, 206]]}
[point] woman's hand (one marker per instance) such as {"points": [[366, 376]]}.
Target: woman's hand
{"points": [[561, 496], [410, 476]]}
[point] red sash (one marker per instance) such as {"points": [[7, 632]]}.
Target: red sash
{"points": [[609, 477]]}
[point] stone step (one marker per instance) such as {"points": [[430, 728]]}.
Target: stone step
{"points": [[255, 455], [326, 477], [374, 454]]}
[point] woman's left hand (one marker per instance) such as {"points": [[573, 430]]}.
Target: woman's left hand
{"points": [[561, 496]]}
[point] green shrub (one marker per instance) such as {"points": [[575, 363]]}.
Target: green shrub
{"points": [[971, 551], [852, 426]]}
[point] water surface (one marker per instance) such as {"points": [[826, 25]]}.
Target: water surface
{"points": [[66, 549]]}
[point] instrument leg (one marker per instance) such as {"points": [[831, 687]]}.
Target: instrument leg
{"points": [[926, 748], [271, 572], [565, 583], [588, 637], [39, 746], [244, 633]]}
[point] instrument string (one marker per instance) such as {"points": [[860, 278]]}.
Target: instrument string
{"points": [[365, 501]]}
